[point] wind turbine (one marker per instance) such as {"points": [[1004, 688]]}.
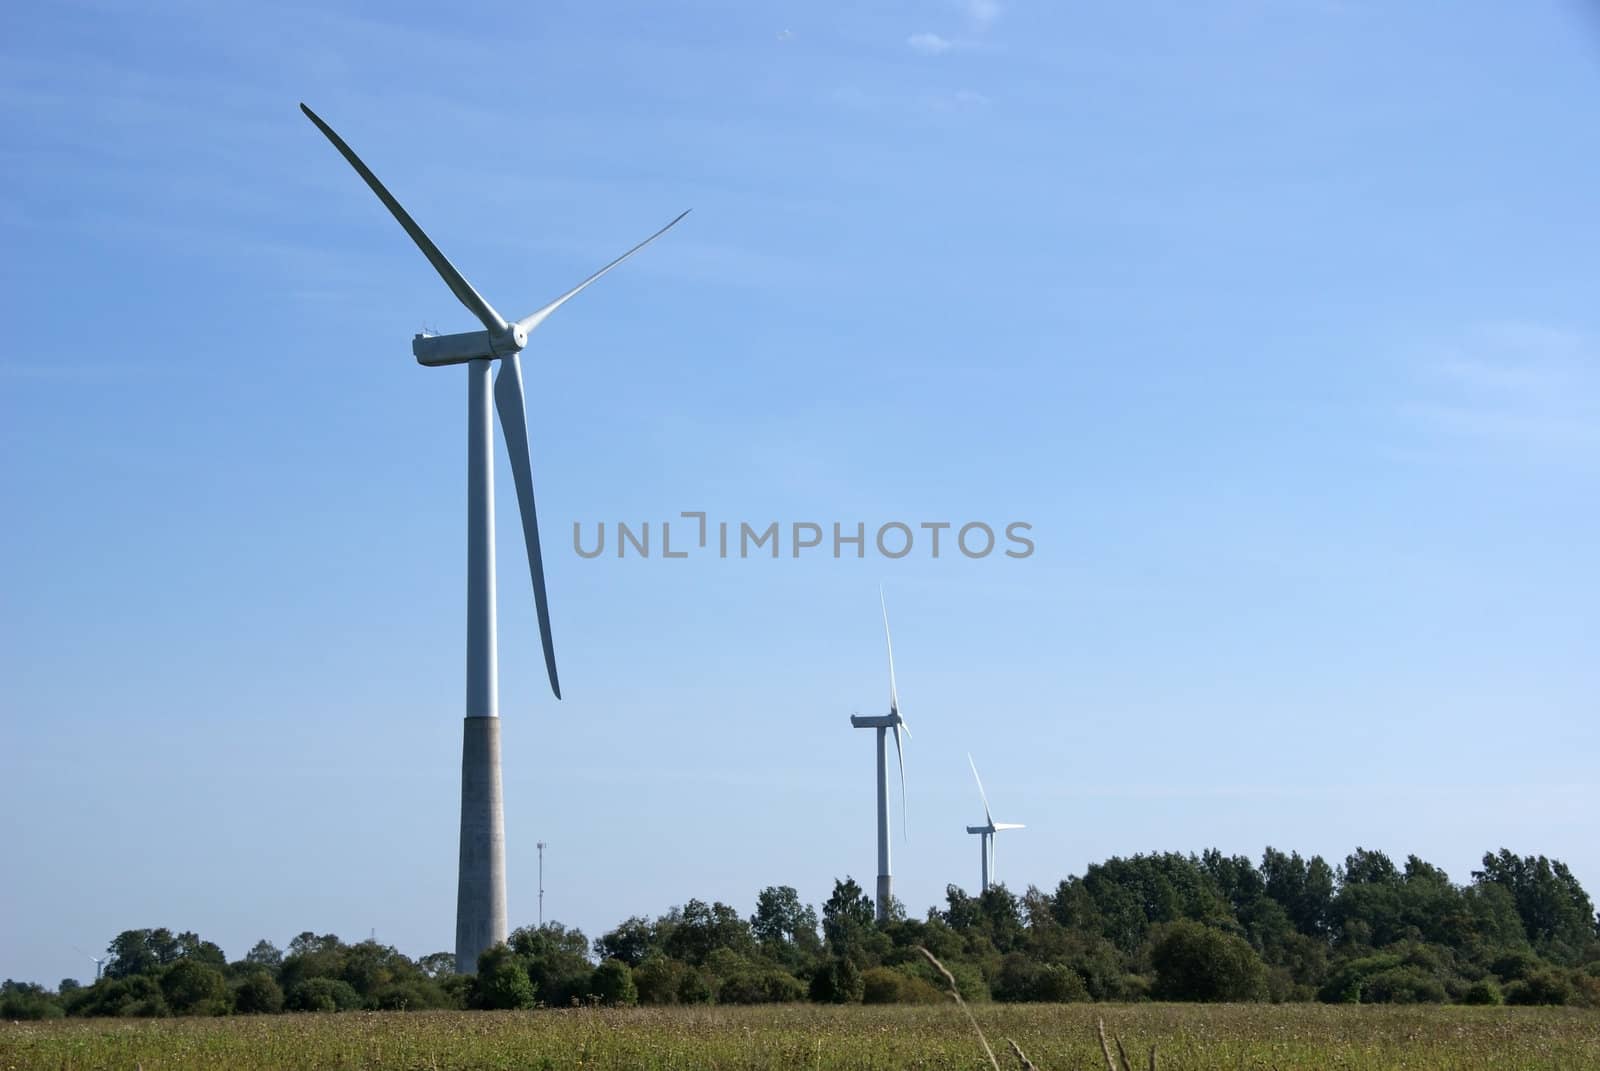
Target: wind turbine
{"points": [[481, 890], [99, 962], [883, 723], [987, 832]]}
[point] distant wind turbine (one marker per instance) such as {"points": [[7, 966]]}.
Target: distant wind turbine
{"points": [[986, 832], [883, 723], [99, 961], [481, 891]]}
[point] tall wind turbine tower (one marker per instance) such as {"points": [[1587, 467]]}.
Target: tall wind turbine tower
{"points": [[986, 832], [884, 723], [481, 890]]}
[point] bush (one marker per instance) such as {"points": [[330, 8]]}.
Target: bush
{"points": [[1514, 966], [27, 1000], [1348, 981], [1483, 991], [193, 988], [883, 985], [322, 995], [838, 982], [694, 987], [612, 982], [657, 980], [137, 994], [1403, 985], [1543, 986], [1060, 984], [412, 994], [503, 985], [761, 985], [1585, 989], [258, 994], [1024, 979], [1196, 962]]}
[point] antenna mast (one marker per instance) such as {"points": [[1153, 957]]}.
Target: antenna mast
{"points": [[541, 884]]}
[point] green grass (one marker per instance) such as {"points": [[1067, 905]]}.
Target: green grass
{"points": [[1055, 1037]]}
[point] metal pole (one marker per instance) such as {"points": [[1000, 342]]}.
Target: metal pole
{"points": [[983, 847]]}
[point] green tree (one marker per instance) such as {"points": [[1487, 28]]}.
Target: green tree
{"points": [[658, 979], [699, 929], [27, 1000], [1197, 962], [784, 927], [557, 962], [502, 980], [264, 954], [848, 916], [194, 987], [258, 994], [140, 952], [613, 984], [630, 942], [838, 981], [1557, 915]]}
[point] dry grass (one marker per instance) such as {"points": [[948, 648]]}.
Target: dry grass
{"points": [[926, 1037]]}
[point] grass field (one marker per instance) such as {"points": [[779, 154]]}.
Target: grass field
{"points": [[1055, 1037]]}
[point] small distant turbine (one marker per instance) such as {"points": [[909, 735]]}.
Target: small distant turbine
{"points": [[986, 832], [99, 961], [883, 723]]}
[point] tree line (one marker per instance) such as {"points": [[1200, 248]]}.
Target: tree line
{"points": [[1164, 926]]}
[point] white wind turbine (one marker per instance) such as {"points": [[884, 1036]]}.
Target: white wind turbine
{"points": [[99, 962], [883, 723], [481, 892], [986, 832]]}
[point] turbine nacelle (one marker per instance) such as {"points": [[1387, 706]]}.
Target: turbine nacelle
{"points": [[436, 351]]}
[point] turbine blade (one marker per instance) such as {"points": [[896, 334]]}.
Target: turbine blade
{"points": [[453, 279], [987, 817], [894, 694], [509, 402], [901, 755], [534, 319]]}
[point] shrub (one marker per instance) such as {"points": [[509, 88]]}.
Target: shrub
{"points": [[1513, 966], [1483, 991], [1024, 979], [1196, 962], [1403, 985], [27, 1000], [322, 995], [1346, 984], [1543, 986], [503, 986], [695, 987], [761, 985], [883, 985], [838, 982], [193, 988], [657, 980], [612, 982], [1060, 984], [258, 994]]}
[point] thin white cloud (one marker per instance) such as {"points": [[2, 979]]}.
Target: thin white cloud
{"points": [[956, 100], [983, 13], [929, 44], [1515, 386]]}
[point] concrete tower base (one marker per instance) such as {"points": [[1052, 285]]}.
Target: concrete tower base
{"points": [[481, 894]]}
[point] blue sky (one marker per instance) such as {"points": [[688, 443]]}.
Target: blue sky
{"points": [[1275, 320]]}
